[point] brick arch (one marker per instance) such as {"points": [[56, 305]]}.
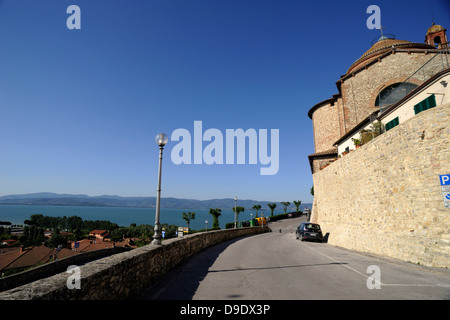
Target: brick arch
{"points": [[386, 84]]}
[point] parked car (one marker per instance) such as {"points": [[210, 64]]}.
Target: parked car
{"points": [[294, 214], [309, 231]]}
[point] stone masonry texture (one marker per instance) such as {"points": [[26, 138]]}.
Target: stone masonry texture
{"points": [[361, 89], [385, 197], [124, 275]]}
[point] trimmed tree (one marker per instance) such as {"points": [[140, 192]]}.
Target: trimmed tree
{"points": [[272, 207], [188, 217], [285, 204], [297, 204], [216, 213]]}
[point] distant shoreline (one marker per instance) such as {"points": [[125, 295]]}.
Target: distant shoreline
{"points": [[68, 200], [81, 205]]}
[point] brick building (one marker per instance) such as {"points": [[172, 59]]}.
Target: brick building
{"points": [[384, 74]]}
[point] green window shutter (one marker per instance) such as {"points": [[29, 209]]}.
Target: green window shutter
{"points": [[431, 101], [391, 124], [425, 104], [417, 108]]}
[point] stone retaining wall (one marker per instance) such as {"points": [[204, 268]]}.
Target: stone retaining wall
{"points": [[385, 197], [125, 274], [51, 268]]}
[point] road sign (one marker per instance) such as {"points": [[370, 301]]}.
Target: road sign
{"points": [[446, 197], [445, 179]]}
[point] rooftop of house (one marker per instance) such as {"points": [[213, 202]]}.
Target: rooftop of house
{"points": [[27, 257]]}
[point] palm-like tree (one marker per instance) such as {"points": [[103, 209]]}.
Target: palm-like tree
{"points": [[272, 207], [216, 214], [285, 204], [188, 217], [256, 207], [238, 210], [297, 204]]}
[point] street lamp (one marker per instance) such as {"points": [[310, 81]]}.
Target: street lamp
{"points": [[161, 140], [235, 213]]}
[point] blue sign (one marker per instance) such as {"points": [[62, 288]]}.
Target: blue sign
{"points": [[447, 196], [445, 179]]}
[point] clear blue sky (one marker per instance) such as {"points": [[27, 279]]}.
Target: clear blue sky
{"points": [[79, 109]]}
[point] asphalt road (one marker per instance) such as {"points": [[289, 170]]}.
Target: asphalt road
{"points": [[276, 266]]}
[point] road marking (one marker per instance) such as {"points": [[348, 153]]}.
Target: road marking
{"points": [[364, 275], [444, 285]]}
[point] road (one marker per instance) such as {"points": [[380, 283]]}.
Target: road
{"points": [[276, 266]]}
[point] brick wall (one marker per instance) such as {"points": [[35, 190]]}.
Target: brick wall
{"points": [[326, 127], [360, 91], [385, 197]]}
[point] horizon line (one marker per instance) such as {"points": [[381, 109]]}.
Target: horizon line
{"points": [[115, 195]]}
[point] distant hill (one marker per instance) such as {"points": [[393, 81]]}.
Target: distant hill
{"points": [[55, 199]]}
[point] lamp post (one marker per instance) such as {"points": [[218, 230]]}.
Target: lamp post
{"points": [[262, 220], [206, 223], [161, 140], [235, 213]]}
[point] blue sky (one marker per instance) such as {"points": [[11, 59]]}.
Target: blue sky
{"points": [[79, 109]]}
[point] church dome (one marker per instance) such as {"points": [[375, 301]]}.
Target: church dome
{"points": [[434, 28], [383, 45]]}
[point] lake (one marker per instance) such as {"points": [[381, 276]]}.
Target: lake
{"points": [[123, 216]]}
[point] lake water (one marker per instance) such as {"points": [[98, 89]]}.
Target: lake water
{"points": [[123, 216]]}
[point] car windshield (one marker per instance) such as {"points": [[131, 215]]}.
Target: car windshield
{"points": [[312, 227]]}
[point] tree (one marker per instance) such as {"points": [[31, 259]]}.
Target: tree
{"points": [[312, 191], [285, 204], [216, 213], [238, 210], [32, 236], [37, 220], [188, 217], [297, 204], [272, 207], [74, 223], [256, 207], [56, 239]]}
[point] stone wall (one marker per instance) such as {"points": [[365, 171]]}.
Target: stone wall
{"points": [[332, 119], [54, 267], [385, 197], [325, 127], [359, 92], [125, 274]]}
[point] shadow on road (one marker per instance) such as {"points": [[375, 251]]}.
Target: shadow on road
{"points": [[281, 267], [182, 282]]}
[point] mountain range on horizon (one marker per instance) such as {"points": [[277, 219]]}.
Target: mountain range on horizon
{"points": [[49, 198]]}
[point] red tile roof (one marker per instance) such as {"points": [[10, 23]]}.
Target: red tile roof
{"points": [[31, 256], [99, 232]]}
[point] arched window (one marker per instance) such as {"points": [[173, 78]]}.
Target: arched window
{"points": [[437, 40], [394, 93]]}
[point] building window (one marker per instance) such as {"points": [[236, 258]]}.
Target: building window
{"points": [[391, 124], [425, 104], [394, 93]]}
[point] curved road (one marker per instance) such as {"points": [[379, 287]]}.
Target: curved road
{"points": [[276, 266]]}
